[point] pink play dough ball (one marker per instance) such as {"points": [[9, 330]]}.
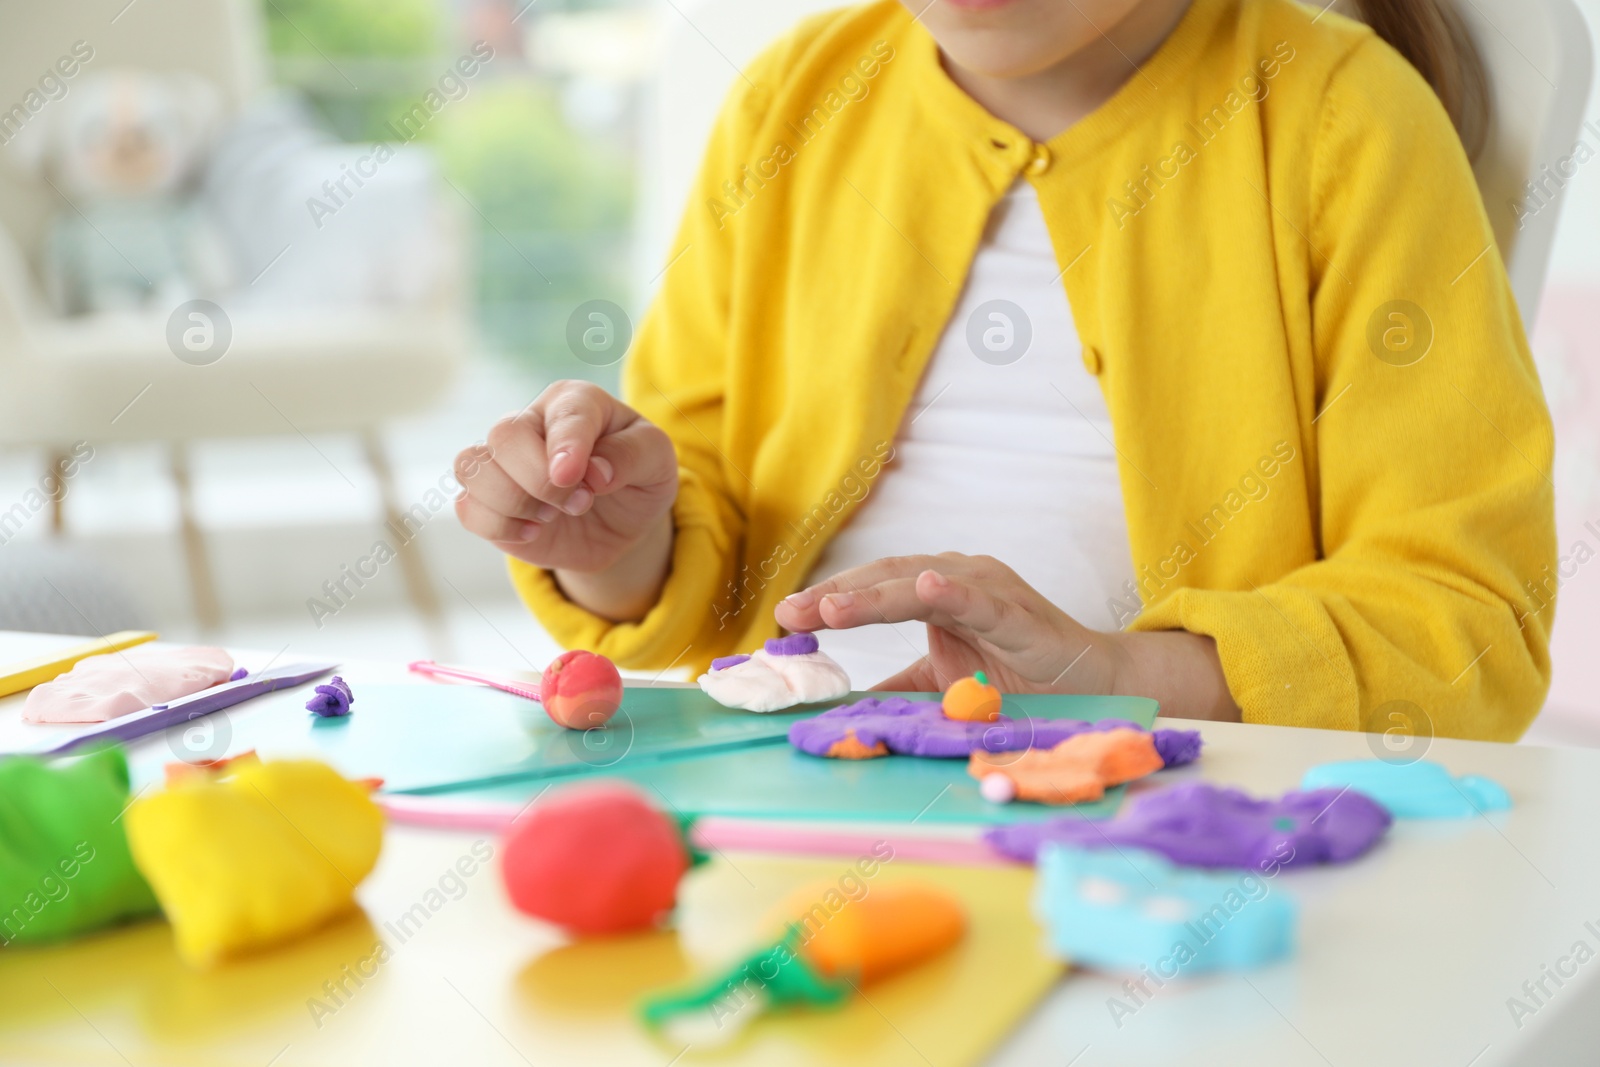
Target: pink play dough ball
{"points": [[581, 690], [997, 789]]}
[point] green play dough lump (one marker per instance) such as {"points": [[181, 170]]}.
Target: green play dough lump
{"points": [[65, 868]]}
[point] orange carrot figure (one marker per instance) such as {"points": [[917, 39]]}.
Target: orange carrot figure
{"points": [[1079, 768], [889, 928], [825, 952]]}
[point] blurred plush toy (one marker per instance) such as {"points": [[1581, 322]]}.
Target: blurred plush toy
{"points": [[123, 149], [368, 223]]}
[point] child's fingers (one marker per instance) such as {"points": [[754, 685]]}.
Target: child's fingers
{"points": [[490, 525], [894, 600], [520, 451], [882, 570], [491, 486], [958, 604], [800, 611], [575, 417], [639, 454]]}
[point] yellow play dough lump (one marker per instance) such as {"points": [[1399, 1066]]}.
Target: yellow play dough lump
{"points": [[261, 856]]}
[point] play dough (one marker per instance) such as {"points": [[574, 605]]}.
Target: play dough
{"points": [[118, 683], [332, 699], [972, 699], [1131, 910], [595, 859], [254, 855], [64, 862], [878, 727], [1202, 825], [788, 671], [580, 690], [1079, 768], [1421, 790], [831, 945]]}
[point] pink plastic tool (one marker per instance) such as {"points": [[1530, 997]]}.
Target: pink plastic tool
{"points": [[525, 690], [710, 832]]}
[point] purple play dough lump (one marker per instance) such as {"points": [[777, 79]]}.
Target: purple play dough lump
{"points": [[332, 699], [920, 728], [722, 663], [801, 644], [1203, 825]]}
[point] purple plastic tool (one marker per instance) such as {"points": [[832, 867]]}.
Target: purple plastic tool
{"points": [[160, 716]]}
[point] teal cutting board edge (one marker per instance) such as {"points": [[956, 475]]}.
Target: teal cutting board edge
{"points": [[779, 782], [428, 738], [701, 757]]}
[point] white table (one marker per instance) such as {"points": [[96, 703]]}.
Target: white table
{"points": [[1407, 956]]}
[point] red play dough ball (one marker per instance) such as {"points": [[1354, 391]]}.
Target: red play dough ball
{"points": [[580, 689], [595, 859]]}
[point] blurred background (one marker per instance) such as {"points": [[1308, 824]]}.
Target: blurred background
{"points": [[377, 226]]}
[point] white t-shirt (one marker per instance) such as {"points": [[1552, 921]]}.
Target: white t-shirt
{"points": [[1005, 451]]}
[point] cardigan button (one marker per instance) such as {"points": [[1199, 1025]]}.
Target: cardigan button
{"points": [[1041, 160], [1092, 361]]}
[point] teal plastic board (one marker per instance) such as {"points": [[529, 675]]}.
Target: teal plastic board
{"points": [[423, 738], [776, 781]]}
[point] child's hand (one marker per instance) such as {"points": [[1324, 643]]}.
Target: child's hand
{"points": [[572, 482], [982, 616]]}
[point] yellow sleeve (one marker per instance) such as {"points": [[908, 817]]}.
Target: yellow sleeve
{"points": [[1432, 450], [675, 376]]}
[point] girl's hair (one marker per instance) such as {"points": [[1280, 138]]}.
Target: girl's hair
{"points": [[1431, 35]]}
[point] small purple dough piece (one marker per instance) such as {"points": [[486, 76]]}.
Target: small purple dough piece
{"points": [[238, 673], [1177, 747], [332, 700], [800, 644], [722, 663], [920, 728], [1202, 825]]}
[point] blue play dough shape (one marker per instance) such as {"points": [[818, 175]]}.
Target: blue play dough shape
{"points": [[1421, 790], [1128, 909]]}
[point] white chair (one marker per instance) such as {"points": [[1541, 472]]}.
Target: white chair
{"points": [[1540, 61], [1537, 53], [108, 379]]}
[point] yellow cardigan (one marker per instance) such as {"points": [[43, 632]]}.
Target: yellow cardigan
{"points": [[1334, 452]]}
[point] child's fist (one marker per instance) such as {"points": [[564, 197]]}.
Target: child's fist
{"points": [[571, 482]]}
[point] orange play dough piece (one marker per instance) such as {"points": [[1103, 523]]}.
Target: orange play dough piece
{"points": [[972, 699], [850, 747], [885, 929], [1079, 768], [178, 773]]}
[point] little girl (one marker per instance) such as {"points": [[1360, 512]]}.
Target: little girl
{"points": [[1150, 347]]}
